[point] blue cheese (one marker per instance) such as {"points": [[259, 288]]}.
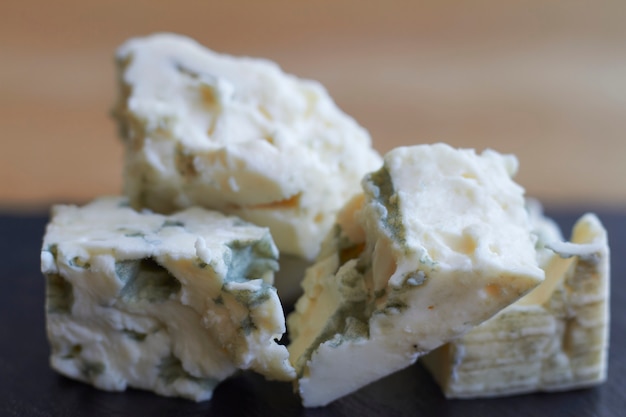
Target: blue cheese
{"points": [[555, 338], [237, 135], [172, 304], [438, 242]]}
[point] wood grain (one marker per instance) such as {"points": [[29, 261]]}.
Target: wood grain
{"points": [[544, 80]]}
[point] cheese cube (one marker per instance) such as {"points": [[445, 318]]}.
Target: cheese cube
{"points": [[173, 304], [555, 338], [237, 135], [439, 242]]}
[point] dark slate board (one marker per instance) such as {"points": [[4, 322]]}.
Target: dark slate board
{"points": [[28, 387]]}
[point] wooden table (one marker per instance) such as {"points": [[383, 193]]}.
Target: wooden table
{"points": [[544, 80]]}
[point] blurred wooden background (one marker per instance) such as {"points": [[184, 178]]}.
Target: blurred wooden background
{"points": [[544, 80]]}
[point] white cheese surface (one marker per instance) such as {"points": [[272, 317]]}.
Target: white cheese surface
{"points": [[439, 242], [237, 135], [555, 338], [173, 304]]}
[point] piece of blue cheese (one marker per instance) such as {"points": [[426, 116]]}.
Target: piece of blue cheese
{"points": [[555, 338], [438, 242], [237, 135], [172, 304]]}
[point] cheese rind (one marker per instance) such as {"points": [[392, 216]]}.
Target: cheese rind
{"points": [[439, 242], [555, 338], [237, 135], [173, 304]]}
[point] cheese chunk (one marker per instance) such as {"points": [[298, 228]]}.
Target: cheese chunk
{"points": [[236, 135], [439, 242], [555, 338], [173, 304]]}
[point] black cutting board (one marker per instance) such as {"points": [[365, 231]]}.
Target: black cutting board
{"points": [[28, 387]]}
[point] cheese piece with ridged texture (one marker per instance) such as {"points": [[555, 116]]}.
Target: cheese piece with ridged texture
{"points": [[438, 242], [555, 338], [237, 135], [172, 304]]}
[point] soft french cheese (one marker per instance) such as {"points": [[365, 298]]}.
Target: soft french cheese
{"points": [[554, 338], [237, 135], [439, 242], [173, 304]]}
